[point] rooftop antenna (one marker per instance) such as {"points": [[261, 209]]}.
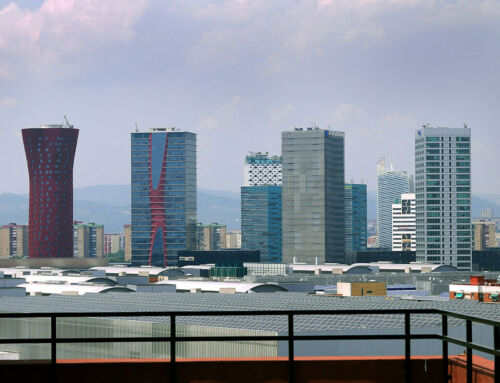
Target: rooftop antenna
{"points": [[136, 127], [67, 123]]}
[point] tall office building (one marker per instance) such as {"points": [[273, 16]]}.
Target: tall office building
{"points": [[50, 152], [163, 195], [484, 234], [404, 223], [443, 199], [88, 240], [356, 221], [313, 196], [211, 236], [260, 169], [261, 206], [390, 185], [261, 221], [13, 241]]}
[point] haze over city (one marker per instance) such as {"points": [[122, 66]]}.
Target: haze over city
{"points": [[238, 73]]}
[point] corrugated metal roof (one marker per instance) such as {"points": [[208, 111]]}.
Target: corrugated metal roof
{"points": [[251, 302]]}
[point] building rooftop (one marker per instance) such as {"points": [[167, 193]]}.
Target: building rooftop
{"points": [[250, 302]]}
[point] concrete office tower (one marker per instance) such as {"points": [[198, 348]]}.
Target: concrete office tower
{"points": [[127, 247], [50, 152], [260, 169], [484, 234], [163, 195], [404, 223], [356, 221], [88, 240], [443, 199], [211, 236], [13, 241], [261, 221], [390, 185], [313, 196]]}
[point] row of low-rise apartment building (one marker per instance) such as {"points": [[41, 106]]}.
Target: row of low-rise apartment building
{"points": [[89, 241]]}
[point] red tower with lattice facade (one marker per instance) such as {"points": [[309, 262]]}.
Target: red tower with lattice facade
{"points": [[50, 152]]}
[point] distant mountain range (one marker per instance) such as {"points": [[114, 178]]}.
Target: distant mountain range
{"points": [[110, 206]]}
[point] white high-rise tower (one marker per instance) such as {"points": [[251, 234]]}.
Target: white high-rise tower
{"points": [[390, 185], [443, 196]]}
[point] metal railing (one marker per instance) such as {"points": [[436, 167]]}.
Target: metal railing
{"points": [[290, 338]]}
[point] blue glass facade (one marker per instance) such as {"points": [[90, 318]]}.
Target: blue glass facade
{"points": [[356, 217], [163, 218], [261, 221]]}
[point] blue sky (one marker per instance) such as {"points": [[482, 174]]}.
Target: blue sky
{"points": [[238, 73]]}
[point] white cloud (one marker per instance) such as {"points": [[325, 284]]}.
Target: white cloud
{"points": [[346, 111], [7, 102], [227, 119], [63, 31]]}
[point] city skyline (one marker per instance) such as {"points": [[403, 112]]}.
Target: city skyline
{"points": [[376, 85]]}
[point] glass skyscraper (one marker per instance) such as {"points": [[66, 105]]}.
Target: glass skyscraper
{"points": [[313, 196], [261, 221], [356, 221], [163, 218], [390, 185], [443, 196]]}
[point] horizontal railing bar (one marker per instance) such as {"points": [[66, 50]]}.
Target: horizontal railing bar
{"points": [[474, 346], [25, 340], [220, 338], [217, 313]]}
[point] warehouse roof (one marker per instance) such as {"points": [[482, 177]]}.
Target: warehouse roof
{"points": [[48, 288], [165, 302], [215, 287], [69, 280], [150, 270]]}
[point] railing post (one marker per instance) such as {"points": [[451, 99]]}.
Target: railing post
{"points": [[407, 349], [444, 332], [173, 375], [468, 327], [291, 367], [496, 346], [53, 348]]}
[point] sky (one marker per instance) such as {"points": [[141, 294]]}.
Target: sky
{"points": [[238, 73]]}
